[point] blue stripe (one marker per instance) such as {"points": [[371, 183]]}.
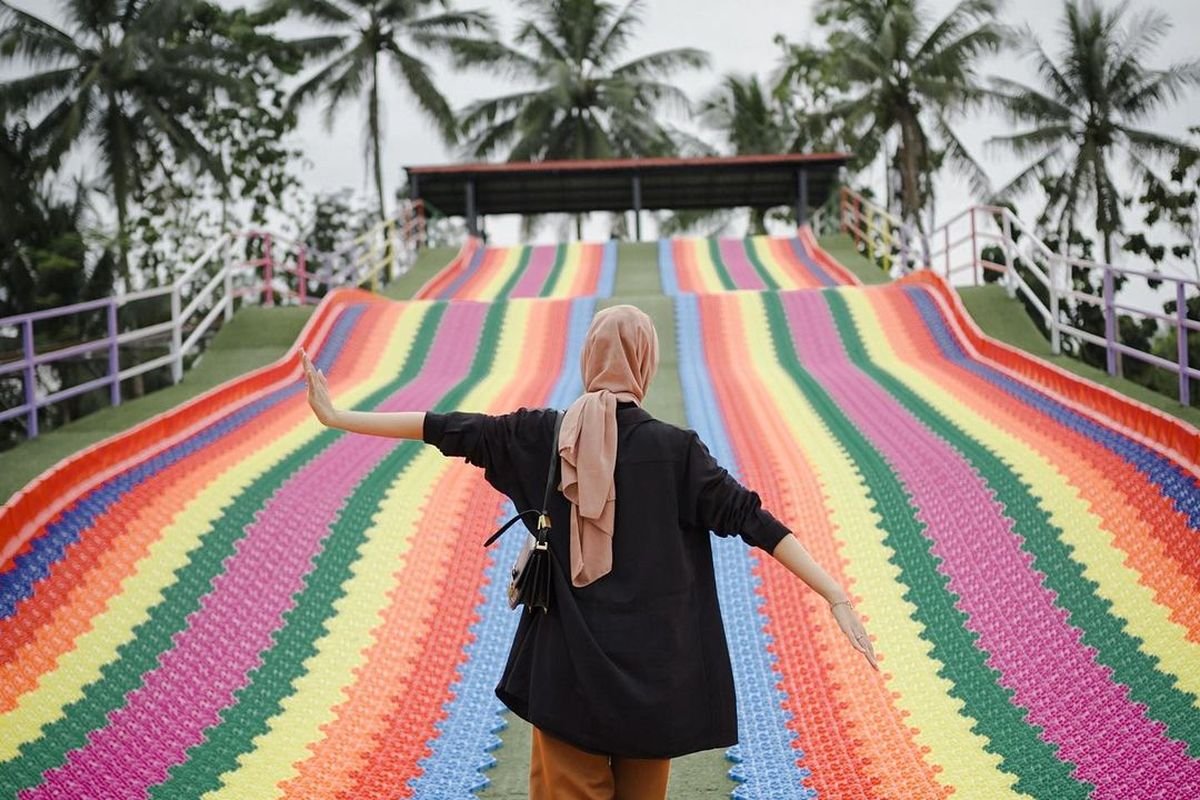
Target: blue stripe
{"points": [[608, 270], [50, 548], [461, 750], [471, 269], [766, 756], [1172, 481], [666, 268], [809, 262]]}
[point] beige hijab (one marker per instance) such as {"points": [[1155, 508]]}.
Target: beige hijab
{"points": [[620, 356]]}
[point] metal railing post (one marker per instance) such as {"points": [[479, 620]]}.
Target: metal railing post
{"points": [[114, 355], [1110, 321], [176, 336], [1056, 268], [974, 249], [228, 279], [946, 231], [1181, 337], [1010, 269], [31, 424], [268, 272], [302, 273]]}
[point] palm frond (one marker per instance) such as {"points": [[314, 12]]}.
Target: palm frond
{"points": [[25, 36], [662, 64], [33, 91], [416, 76]]}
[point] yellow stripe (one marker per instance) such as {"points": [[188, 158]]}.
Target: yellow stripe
{"points": [[153, 573], [1082, 529], [341, 651], [491, 290], [943, 725], [566, 276], [762, 247], [706, 269]]}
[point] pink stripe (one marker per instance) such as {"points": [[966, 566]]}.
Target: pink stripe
{"points": [[1030, 642], [541, 261], [212, 658], [733, 253]]}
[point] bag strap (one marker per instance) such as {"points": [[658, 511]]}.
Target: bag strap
{"points": [[543, 513], [554, 459]]}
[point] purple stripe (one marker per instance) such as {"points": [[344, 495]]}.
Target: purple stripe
{"points": [[451, 291], [806, 260], [1035, 649], [541, 261], [213, 657], [743, 273]]}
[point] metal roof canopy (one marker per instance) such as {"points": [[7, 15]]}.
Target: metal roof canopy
{"points": [[802, 181]]}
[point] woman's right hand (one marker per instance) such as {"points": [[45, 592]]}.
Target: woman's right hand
{"points": [[848, 620], [318, 391]]}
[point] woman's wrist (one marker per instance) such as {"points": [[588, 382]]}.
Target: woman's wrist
{"points": [[839, 601]]}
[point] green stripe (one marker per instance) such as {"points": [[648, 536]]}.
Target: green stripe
{"points": [[1039, 772], [522, 264], [714, 252], [154, 636], [1102, 630], [759, 266], [262, 698], [560, 259]]}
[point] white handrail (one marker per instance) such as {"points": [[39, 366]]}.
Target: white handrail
{"points": [[874, 229], [389, 244]]}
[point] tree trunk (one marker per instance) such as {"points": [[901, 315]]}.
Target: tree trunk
{"points": [[910, 170], [373, 111]]}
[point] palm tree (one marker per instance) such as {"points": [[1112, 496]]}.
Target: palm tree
{"points": [[1087, 113], [583, 103], [909, 80], [370, 31], [750, 120], [114, 81]]}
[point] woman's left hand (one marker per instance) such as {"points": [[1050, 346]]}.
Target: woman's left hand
{"points": [[318, 392]]}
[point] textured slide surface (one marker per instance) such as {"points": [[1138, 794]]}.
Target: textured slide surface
{"points": [[232, 601], [497, 273]]}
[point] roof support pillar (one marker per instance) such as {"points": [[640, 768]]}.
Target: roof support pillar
{"points": [[637, 208], [801, 197], [472, 222]]}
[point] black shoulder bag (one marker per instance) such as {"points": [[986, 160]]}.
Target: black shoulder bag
{"points": [[530, 582]]}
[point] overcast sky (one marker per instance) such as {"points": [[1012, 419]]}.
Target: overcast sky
{"points": [[737, 35]]}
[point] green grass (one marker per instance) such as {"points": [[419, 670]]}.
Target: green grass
{"points": [[254, 337], [1004, 318], [841, 247], [429, 262], [637, 270]]}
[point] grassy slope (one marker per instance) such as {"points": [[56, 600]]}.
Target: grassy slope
{"points": [[1005, 319], [841, 247]]}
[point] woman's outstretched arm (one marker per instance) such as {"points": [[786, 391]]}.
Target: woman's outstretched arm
{"points": [[397, 424], [793, 555]]}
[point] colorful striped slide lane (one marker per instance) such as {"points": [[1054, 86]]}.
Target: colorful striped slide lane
{"points": [[267, 608], [760, 263], [577, 269], [1028, 570]]}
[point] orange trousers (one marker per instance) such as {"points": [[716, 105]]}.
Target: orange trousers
{"points": [[559, 771]]}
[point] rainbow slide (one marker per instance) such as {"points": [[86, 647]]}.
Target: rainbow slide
{"points": [[578, 269], [231, 601]]}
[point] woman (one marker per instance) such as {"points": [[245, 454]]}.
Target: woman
{"points": [[630, 667]]}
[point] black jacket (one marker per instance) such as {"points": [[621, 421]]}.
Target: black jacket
{"points": [[634, 664]]}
